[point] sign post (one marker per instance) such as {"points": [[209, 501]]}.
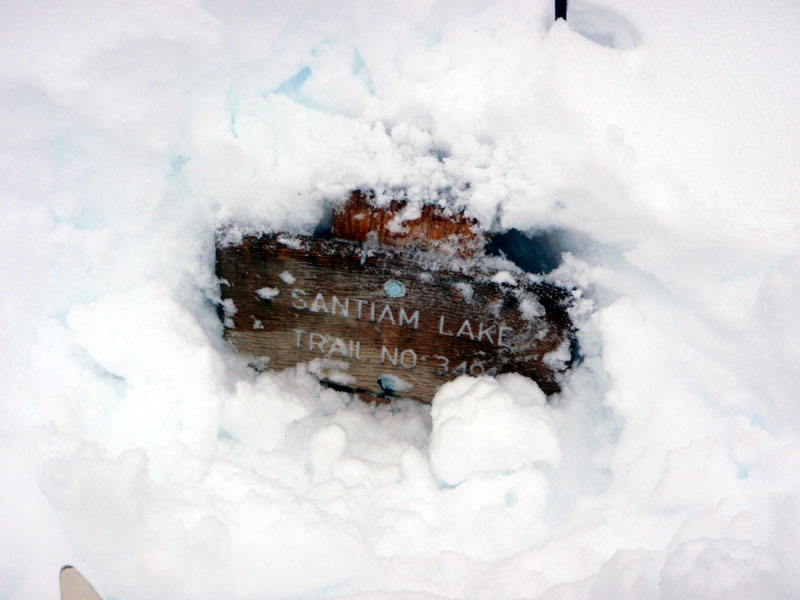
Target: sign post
{"points": [[561, 9]]}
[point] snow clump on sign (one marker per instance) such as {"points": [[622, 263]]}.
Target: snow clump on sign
{"points": [[267, 293]]}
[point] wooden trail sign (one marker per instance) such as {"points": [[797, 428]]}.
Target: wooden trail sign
{"points": [[388, 322]]}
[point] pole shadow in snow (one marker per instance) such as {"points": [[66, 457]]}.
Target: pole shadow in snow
{"points": [[603, 26]]}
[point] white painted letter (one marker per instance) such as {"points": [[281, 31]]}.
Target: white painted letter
{"points": [[466, 327], [344, 308], [413, 320], [484, 331], [300, 333], [476, 368], [386, 309], [300, 304], [360, 304], [442, 369], [412, 359], [319, 304], [385, 354], [339, 347], [312, 343], [441, 328], [500, 335]]}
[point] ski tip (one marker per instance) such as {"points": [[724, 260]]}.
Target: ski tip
{"points": [[74, 586]]}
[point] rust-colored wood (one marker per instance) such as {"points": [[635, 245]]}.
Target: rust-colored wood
{"points": [[436, 229], [325, 302]]}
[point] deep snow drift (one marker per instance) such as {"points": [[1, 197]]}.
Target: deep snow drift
{"points": [[656, 142]]}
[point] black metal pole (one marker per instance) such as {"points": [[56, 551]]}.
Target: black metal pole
{"points": [[561, 9]]}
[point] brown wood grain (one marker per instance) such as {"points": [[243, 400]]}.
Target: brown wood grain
{"points": [[367, 341], [435, 229]]}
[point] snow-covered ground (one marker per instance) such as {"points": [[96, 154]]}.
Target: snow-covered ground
{"points": [[656, 142]]}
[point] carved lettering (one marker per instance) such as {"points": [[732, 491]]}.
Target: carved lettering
{"points": [[414, 320], [483, 330], [361, 304], [500, 332], [387, 310], [297, 301], [343, 308], [476, 369], [319, 304], [441, 328], [318, 343], [300, 333], [466, 328], [339, 347], [385, 354], [408, 358], [442, 368], [337, 307]]}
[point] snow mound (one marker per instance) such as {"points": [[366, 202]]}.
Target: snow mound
{"points": [[489, 426]]}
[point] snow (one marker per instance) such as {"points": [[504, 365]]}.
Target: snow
{"points": [[490, 426], [465, 290], [655, 143], [267, 293], [505, 278], [531, 308]]}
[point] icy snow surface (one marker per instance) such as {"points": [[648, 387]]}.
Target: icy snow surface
{"points": [[659, 140]]}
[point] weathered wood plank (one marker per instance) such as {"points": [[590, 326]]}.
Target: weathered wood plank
{"points": [[384, 321], [434, 230]]}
